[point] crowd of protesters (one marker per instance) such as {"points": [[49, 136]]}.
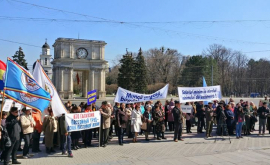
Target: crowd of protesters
{"points": [[131, 120]]}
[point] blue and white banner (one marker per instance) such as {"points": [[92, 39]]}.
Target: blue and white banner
{"points": [[82, 121], [126, 96], [192, 94]]}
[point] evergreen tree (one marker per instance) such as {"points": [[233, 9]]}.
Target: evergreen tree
{"points": [[19, 58], [126, 72], [140, 72]]}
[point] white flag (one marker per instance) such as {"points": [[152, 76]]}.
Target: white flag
{"points": [[45, 82]]}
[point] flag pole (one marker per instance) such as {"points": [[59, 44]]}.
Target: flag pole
{"points": [[2, 105]]}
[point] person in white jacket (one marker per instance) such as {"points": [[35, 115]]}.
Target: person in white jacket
{"points": [[136, 122]]}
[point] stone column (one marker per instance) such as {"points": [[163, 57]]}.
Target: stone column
{"points": [[101, 84], [85, 83], [61, 76], [93, 79], [70, 92]]}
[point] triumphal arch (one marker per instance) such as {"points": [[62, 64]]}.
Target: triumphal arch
{"points": [[79, 64]]}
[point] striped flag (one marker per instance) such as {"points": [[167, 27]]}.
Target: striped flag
{"points": [[3, 68]]}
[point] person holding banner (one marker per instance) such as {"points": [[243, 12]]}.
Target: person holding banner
{"points": [[200, 114], [136, 121], [28, 124], [66, 138], [76, 135], [105, 124], [128, 112], [178, 121], [87, 134]]}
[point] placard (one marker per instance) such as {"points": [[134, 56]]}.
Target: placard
{"points": [[82, 121], [7, 105], [186, 108], [91, 97]]}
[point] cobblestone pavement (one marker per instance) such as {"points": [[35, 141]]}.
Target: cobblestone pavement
{"points": [[194, 149]]}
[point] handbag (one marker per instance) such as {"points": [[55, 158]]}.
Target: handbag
{"points": [[144, 126]]}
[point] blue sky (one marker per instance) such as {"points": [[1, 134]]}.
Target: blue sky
{"points": [[188, 38]]}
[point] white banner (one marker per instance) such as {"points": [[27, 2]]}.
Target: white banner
{"points": [[82, 121], [125, 96], [7, 105], [186, 108], [192, 94], [45, 82]]}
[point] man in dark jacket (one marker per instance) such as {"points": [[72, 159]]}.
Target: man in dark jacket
{"points": [[200, 114], [262, 112], [66, 138], [209, 115], [221, 119], [14, 130], [178, 121]]}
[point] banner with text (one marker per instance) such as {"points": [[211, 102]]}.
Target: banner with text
{"points": [[186, 108], [82, 121], [125, 96], [192, 94]]}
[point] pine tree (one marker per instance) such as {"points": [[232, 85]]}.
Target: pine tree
{"points": [[126, 72], [19, 58], [140, 73]]}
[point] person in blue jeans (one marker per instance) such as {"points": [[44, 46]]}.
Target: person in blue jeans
{"points": [[66, 138], [239, 119]]}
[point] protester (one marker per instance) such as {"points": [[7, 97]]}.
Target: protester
{"points": [[136, 121], [201, 116], [178, 121], [75, 135], [122, 119], [28, 125], [158, 116], [148, 118], [4, 117], [87, 134], [5, 142], [239, 118], [66, 137], [230, 118], [221, 119], [49, 126], [170, 116], [14, 130], [128, 111], [167, 104], [37, 130], [209, 115], [247, 120], [95, 108], [105, 124], [262, 112]]}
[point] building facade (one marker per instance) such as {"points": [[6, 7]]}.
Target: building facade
{"points": [[86, 56]]}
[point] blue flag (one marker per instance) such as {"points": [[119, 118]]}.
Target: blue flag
{"points": [[21, 87], [205, 85]]}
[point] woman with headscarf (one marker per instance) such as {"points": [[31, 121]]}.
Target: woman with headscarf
{"points": [[159, 119]]}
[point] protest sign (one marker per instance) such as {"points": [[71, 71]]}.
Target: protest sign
{"points": [[82, 121], [186, 108], [126, 96], [7, 105], [91, 97], [19, 106], [191, 94]]}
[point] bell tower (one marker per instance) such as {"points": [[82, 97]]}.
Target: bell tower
{"points": [[45, 59]]}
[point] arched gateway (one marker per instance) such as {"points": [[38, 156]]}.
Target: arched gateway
{"points": [[73, 57]]}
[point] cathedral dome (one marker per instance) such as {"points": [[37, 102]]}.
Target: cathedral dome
{"points": [[46, 46]]}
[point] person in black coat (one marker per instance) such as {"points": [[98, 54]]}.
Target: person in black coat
{"points": [[221, 119], [263, 111], [201, 115], [178, 121], [14, 131]]}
